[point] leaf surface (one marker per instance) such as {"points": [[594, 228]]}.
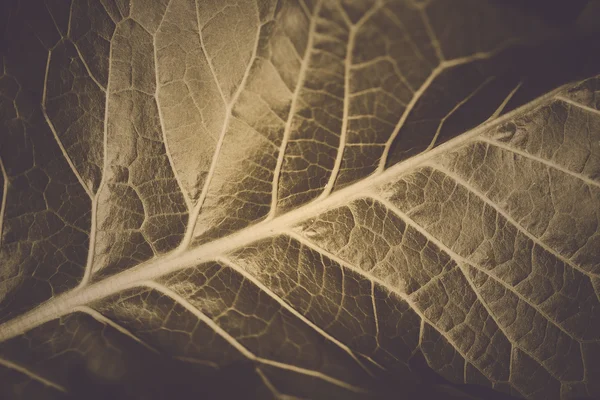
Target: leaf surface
{"points": [[330, 199]]}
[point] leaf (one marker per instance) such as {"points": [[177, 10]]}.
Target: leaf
{"points": [[330, 199]]}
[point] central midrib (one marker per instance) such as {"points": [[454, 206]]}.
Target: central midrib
{"points": [[188, 257]]}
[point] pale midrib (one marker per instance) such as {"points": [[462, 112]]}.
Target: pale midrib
{"points": [[178, 259]]}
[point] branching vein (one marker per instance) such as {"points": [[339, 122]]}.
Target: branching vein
{"points": [[32, 375], [295, 96], [179, 259]]}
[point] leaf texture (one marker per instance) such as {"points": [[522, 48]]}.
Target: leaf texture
{"points": [[298, 199]]}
